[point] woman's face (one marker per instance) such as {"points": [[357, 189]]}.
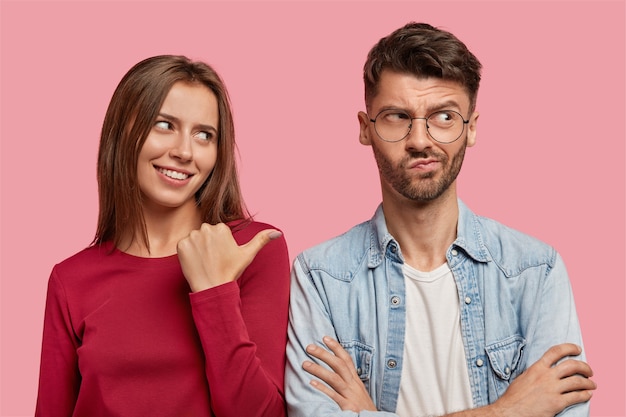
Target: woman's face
{"points": [[181, 149]]}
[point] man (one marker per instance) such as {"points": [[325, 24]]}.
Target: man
{"points": [[436, 310]]}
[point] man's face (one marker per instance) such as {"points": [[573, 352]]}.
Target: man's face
{"points": [[418, 168]]}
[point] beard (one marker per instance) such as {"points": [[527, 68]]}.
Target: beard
{"points": [[420, 187]]}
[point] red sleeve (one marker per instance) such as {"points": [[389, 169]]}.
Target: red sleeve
{"points": [[243, 330], [59, 378]]}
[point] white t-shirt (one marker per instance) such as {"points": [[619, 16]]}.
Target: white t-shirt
{"points": [[435, 379]]}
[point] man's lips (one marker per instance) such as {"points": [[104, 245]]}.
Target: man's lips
{"points": [[428, 163]]}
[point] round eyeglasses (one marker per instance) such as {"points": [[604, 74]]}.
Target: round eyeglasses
{"points": [[444, 126]]}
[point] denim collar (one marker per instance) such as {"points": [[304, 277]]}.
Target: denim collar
{"points": [[469, 237]]}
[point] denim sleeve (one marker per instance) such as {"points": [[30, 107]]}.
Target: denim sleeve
{"points": [[557, 322], [309, 321]]}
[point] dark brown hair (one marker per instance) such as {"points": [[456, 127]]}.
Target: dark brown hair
{"points": [[423, 51], [130, 116]]}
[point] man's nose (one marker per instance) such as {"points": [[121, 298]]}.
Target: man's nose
{"points": [[418, 137]]}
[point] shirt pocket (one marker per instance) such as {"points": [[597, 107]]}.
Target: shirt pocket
{"points": [[361, 355], [505, 358]]}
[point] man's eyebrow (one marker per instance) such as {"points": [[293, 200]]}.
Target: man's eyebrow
{"points": [[444, 105], [448, 104]]}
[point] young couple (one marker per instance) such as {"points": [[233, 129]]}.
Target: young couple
{"points": [[182, 305]]}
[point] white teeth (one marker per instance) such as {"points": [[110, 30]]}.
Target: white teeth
{"points": [[174, 174]]}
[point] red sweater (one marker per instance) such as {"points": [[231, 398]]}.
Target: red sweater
{"points": [[123, 336]]}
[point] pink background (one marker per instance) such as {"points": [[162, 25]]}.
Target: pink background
{"points": [[549, 158]]}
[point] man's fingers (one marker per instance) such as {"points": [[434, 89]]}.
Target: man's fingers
{"points": [[576, 383], [329, 377], [317, 370], [325, 356], [577, 397], [341, 401], [558, 352], [337, 349], [571, 367], [328, 391], [343, 385], [346, 369], [343, 370]]}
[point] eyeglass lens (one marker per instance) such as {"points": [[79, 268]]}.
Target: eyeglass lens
{"points": [[443, 126]]}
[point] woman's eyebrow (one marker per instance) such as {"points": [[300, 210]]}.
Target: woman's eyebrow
{"points": [[175, 119]]}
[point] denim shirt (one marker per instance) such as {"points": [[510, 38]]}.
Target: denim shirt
{"points": [[514, 295]]}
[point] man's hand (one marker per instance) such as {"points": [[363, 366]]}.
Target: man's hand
{"points": [[547, 387], [344, 385], [210, 256]]}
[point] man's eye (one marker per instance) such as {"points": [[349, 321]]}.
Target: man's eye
{"points": [[395, 116], [444, 116]]}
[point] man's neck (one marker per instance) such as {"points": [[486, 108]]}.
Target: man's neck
{"points": [[424, 230]]}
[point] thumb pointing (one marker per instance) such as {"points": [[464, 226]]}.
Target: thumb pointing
{"points": [[261, 239]]}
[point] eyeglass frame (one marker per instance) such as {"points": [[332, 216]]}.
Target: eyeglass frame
{"points": [[465, 122]]}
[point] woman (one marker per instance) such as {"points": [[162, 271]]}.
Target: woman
{"points": [[123, 335]]}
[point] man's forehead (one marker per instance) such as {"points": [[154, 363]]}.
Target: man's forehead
{"points": [[404, 89]]}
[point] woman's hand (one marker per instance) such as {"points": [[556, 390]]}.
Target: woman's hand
{"points": [[210, 256]]}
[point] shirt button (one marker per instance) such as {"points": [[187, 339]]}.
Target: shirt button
{"points": [[395, 300], [468, 300], [393, 249], [359, 371], [454, 252], [391, 363], [479, 362], [507, 370]]}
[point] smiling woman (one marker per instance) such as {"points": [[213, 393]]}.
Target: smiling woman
{"points": [[178, 155], [179, 305]]}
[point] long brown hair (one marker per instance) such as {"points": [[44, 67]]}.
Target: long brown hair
{"points": [[130, 116]]}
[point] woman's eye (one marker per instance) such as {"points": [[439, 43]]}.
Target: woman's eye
{"points": [[162, 124], [204, 135]]}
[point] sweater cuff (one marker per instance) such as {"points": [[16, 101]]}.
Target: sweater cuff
{"points": [[229, 289]]}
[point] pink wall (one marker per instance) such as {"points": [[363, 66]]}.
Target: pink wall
{"points": [[549, 158]]}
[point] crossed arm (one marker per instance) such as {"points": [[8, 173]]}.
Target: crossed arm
{"points": [[546, 388]]}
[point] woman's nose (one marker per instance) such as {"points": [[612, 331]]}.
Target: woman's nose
{"points": [[182, 150]]}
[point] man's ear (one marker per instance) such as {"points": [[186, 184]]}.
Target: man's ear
{"points": [[364, 129], [471, 129]]}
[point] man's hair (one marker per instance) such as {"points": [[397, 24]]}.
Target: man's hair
{"points": [[129, 119], [424, 51]]}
